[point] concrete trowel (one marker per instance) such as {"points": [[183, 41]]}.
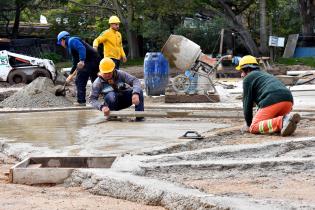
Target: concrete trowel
{"points": [[191, 135]]}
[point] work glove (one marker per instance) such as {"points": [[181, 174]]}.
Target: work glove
{"points": [[135, 99], [69, 78], [245, 129], [80, 65]]}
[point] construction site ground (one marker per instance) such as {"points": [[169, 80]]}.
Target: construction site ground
{"points": [[155, 169]]}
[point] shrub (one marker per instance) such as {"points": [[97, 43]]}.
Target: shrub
{"points": [[52, 56]]}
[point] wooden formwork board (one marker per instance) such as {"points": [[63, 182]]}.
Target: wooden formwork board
{"points": [[192, 98], [291, 45], [48, 170]]}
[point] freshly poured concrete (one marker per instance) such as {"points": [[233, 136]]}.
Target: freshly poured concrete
{"points": [[87, 133], [223, 173]]}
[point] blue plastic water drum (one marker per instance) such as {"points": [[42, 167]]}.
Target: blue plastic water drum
{"points": [[155, 73], [193, 82]]}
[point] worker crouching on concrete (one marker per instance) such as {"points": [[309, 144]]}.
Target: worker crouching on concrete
{"points": [[85, 61], [119, 88], [273, 99]]}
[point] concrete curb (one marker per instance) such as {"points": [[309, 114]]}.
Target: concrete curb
{"points": [[159, 193]]}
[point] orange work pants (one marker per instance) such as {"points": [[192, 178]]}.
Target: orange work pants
{"points": [[269, 119]]}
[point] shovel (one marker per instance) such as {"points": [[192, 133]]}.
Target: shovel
{"points": [[61, 90]]}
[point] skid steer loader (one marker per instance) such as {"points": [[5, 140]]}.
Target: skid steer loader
{"points": [[16, 68]]}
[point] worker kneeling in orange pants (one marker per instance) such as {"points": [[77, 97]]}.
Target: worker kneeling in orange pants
{"points": [[273, 99]]}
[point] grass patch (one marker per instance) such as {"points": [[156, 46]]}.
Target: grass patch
{"points": [[61, 65], [133, 62], [308, 61], [51, 56]]}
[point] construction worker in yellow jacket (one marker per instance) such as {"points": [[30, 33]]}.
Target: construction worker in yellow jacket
{"points": [[112, 42]]}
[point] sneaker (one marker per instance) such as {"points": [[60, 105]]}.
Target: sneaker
{"points": [[79, 104], [289, 124]]}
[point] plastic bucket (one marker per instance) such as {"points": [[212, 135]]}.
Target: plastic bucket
{"points": [[156, 69]]}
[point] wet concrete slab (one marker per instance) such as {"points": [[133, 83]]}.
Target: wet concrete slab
{"points": [[86, 132]]}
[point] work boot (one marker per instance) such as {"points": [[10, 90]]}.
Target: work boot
{"points": [[79, 104], [139, 119], [289, 122], [111, 118]]}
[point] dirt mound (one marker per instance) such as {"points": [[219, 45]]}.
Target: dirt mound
{"points": [[280, 69], [38, 94], [138, 71]]}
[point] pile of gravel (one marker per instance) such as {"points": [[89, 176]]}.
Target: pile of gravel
{"points": [[38, 94], [6, 94]]}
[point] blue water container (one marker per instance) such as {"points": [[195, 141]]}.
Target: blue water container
{"points": [[155, 73], [193, 77]]}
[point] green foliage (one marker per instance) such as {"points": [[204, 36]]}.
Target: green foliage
{"points": [[158, 19], [78, 20], [308, 61], [171, 12], [285, 17], [101, 25], [153, 20], [52, 56], [204, 33], [60, 65], [155, 33]]}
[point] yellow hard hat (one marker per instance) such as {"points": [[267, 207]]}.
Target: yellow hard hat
{"points": [[246, 60], [113, 19], [107, 65]]}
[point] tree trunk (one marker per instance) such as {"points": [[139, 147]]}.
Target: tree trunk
{"points": [[236, 23], [132, 41], [131, 34], [271, 53], [307, 12], [263, 31], [8, 32], [133, 45], [247, 40], [16, 25]]}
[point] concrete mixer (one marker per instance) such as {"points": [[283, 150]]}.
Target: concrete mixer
{"points": [[184, 54]]}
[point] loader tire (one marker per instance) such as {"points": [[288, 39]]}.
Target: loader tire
{"points": [[40, 73], [16, 77]]}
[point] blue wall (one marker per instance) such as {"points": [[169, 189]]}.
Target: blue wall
{"points": [[304, 52]]}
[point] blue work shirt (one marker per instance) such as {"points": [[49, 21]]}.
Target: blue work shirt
{"points": [[80, 51]]}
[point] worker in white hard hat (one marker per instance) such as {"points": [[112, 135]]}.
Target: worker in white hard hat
{"points": [[119, 89], [112, 42], [273, 99]]}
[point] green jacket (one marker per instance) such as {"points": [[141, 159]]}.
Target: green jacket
{"points": [[263, 89]]}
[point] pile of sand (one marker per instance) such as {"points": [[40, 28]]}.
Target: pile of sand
{"points": [[38, 94]]}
